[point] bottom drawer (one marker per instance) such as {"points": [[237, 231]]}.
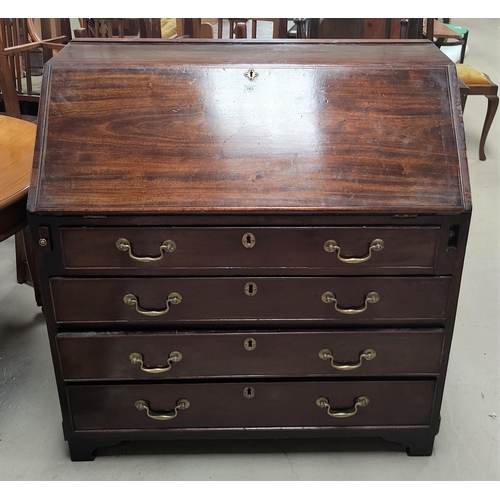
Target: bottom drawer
{"points": [[261, 404]]}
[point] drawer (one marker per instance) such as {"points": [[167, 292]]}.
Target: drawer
{"points": [[142, 355], [151, 249], [266, 301], [252, 404]]}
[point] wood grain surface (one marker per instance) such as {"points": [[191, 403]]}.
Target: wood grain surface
{"points": [[94, 249], [105, 356], [276, 404], [17, 141], [221, 302], [154, 140], [177, 127]]}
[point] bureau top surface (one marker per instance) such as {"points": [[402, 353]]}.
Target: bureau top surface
{"points": [[193, 127]]}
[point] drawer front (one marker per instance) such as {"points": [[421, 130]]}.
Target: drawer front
{"points": [[163, 356], [133, 248], [192, 301], [252, 404]]}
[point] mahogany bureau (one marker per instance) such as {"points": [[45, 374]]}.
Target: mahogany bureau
{"points": [[250, 239]]}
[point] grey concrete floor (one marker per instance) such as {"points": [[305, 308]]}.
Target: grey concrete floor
{"points": [[467, 447]]}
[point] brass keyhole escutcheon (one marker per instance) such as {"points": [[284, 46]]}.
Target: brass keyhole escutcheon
{"points": [[250, 344], [248, 392], [251, 74], [250, 289], [248, 240]]}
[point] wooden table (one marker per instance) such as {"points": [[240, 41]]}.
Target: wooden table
{"points": [[17, 140]]}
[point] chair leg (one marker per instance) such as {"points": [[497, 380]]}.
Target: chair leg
{"points": [[464, 47], [490, 114], [240, 31], [25, 263], [22, 270], [463, 99], [8, 87]]}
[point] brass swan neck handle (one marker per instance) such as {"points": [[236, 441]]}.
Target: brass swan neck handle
{"points": [[376, 245], [124, 245]]}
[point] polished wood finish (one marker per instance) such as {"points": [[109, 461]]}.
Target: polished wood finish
{"points": [[17, 142], [280, 404], [223, 302], [199, 158], [105, 356], [92, 249], [340, 171]]}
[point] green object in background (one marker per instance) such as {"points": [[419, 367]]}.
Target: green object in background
{"points": [[464, 34], [458, 29]]}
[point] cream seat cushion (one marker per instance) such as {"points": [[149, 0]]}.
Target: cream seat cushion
{"points": [[168, 27]]}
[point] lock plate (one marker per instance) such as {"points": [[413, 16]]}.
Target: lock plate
{"points": [[250, 289], [248, 240], [250, 344], [248, 392]]}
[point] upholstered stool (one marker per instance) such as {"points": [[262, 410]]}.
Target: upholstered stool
{"points": [[480, 84]]}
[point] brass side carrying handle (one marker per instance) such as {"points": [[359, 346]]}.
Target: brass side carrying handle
{"points": [[174, 357], [359, 401], [371, 298], [124, 245], [367, 354], [376, 245], [182, 404], [131, 300]]}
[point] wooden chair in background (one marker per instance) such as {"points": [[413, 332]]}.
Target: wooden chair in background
{"points": [[20, 40], [20, 43], [479, 83], [471, 80], [339, 28], [204, 28], [365, 28], [238, 27], [440, 33], [118, 28], [195, 27], [142, 28]]}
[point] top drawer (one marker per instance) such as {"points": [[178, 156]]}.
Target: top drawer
{"points": [[339, 250]]}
